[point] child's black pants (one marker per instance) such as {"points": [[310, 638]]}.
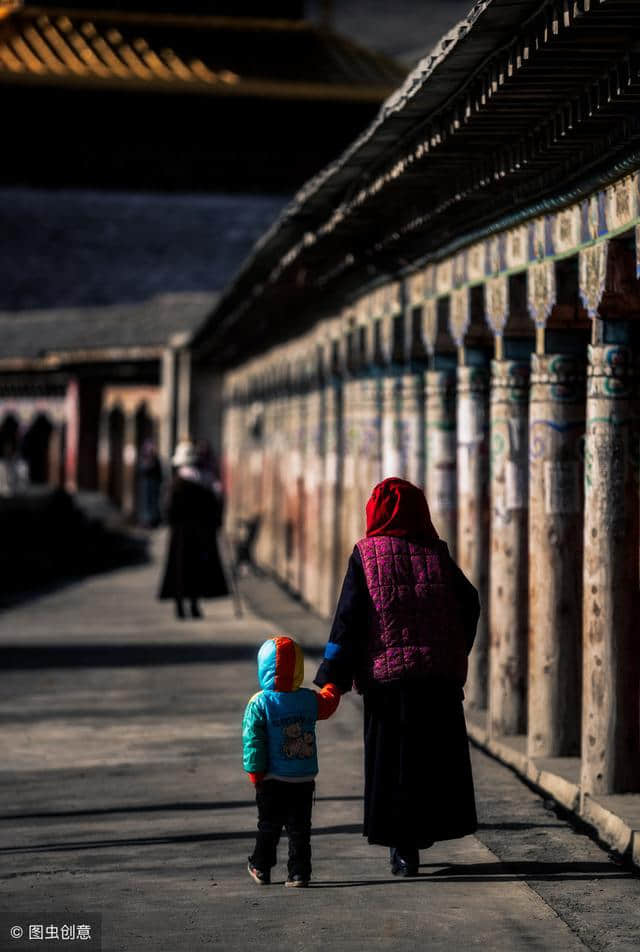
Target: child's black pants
{"points": [[287, 805]]}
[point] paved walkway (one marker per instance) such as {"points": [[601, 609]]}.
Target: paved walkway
{"points": [[122, 797]]}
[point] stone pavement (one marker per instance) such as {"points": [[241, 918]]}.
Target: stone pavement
{"points": [[122, 797]]}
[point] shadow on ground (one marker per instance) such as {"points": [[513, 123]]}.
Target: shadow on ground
{"points": [[51, 539], [70, 846], [180, 807], [492, 872]]}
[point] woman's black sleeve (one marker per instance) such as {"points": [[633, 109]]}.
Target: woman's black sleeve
{"points": [[468, 604], [345, 647]]}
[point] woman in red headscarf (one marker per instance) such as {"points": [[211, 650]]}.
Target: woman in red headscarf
{"points": [[404, 626]]}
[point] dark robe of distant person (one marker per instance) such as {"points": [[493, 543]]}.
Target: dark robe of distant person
{"points": [[194, 568], [404, 626]]}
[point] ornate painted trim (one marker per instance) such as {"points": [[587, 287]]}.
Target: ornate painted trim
{"points": [[496, 302], [386, 337], [612, 372], [560, 377], [558, 234], [509, 381], [592, 275], [415, 289], [459, 315], [541, 290], [472, 380], [429, 324]]}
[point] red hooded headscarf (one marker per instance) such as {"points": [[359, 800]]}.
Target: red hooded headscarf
{"points": [[398, 508]]}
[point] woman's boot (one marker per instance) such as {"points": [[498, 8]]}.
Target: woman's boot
{"points": [[404, 861]]}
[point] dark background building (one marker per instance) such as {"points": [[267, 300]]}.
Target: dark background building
{"points": [[150, 145]]}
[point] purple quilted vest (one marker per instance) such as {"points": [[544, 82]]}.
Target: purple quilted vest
{"points": [[414, 626]]}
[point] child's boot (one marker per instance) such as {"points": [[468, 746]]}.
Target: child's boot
{"points": [[299, 859], [260, 876]]}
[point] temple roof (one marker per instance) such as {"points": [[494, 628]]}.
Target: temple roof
{"points": [[523, 102], [220, 56], [59, 336]]}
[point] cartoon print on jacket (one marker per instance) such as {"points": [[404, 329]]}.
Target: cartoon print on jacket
{"points": [[297, 743]]}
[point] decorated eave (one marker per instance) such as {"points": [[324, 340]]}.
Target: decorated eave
{"points": [[218, 56], [523, 108]]}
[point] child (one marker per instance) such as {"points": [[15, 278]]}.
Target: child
{"points": [[279, 740]]}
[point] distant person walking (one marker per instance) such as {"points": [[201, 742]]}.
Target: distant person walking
{"points": [[403, 628], [194, 568]]}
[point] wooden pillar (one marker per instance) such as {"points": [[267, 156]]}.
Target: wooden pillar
{"points": [[350, 495], [254, 459], [183, 394], [610, 741], [167, 433], [72, 413], [332, 412], [280, 448], [411, 428], [55, 459], [556, 429], [300, 457], [266, 536], [313, 496], [231, 459], [390, 424], [440, 451], [103, 451], [370, 470], [472, 413], [288, 477], [508, 546]]}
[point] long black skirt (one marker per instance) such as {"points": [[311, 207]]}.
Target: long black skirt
{"points": [[418, 781], [194, 567]]}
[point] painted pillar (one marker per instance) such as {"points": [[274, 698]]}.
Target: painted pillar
{"points": [[264, 542], [411, 429], [313, 502], [508, 570], [391, 416], [183, 395], [329, 536], [610, 741], [255, 458], [556, 430], [290, 473], [55, 459], [166, 435], [103, 452], [129, 460], [265, 548], [440, 451], [72, 414], [472, 414], [351, 442], [231, 461], [370, 468], [281, 457], [301, 515]]}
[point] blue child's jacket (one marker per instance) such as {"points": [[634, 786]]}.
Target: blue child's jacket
{"points": [[278, 729]]}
